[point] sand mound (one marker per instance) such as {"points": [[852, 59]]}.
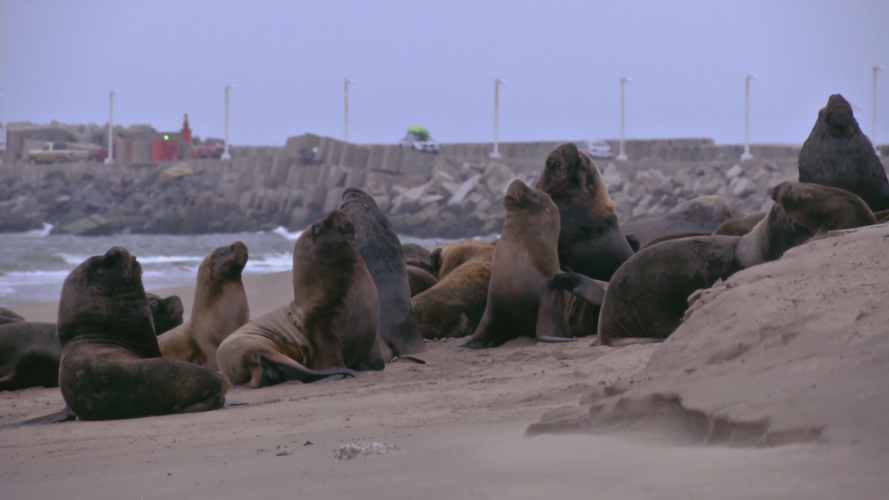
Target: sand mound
{"points": [[792, 351]]}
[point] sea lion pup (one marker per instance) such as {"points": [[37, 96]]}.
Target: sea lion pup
{"points": [[111, 366], [455, 305], [839, 155], [166, 312], [648, 296], [822, 207], [419, 280], [703, 214], [520, 302], [8, 316], [330, 327], [417, 256], [740, 225], [378, 244], [444, 260], [220, 307], [590, 241]]}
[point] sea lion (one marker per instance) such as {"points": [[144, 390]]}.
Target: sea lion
{"points": [[30, 351], [419, 280], [454, 306], [882, 216], [739, 226], [823, 207], [839, 155], [444, 260], [166, 312], [520, 302], [648, 296], [590, 240], [703, 214], [417, 256], [383, 255], [330, 327], [668, 237], [8, 316], [111, 366], [220, 308]]}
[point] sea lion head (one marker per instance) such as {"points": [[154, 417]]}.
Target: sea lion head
{"points": [[838, 116], [355, 195], [167, 313], [568, 170], [335, 226], [104, 290], [225, 263], [521, 198]]}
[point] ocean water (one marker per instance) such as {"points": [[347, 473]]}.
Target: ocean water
{"points": [[34, 265]]}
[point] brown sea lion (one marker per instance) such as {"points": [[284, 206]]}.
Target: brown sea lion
{"points": [[419, 280], [454, 306], [220, 308], [378, 244], [668, 237], [703, 214], [330, 327], [167, 312], [740, 225], [839, 155], [418, 256], [823, 207], [8, 316], [590, 240], [111, 366], [444, 260], [647, 298], [520, 302]]}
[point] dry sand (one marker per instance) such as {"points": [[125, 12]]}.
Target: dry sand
{"points": [[460, 424]]}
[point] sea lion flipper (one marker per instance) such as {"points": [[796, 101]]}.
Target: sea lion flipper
{"points": [[579, 285], [63, 415], [633, 241], [275, 373]]}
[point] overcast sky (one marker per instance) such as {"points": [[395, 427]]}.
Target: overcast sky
{"points": [[433, 63]]}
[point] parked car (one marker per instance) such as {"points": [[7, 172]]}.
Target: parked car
{"points": [[53, 152], [596, 149], [418, 138], [210, 148]]}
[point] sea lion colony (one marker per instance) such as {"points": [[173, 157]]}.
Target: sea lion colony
{"points": [[563, 268]]}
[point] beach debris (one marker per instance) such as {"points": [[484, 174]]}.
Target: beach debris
{"points": [[284, 453], [362, 450]]}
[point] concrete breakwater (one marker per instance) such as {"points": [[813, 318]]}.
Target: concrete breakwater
{"points": [[454, 194]]}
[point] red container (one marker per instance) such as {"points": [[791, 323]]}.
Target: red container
{"points": [[164, 150]]}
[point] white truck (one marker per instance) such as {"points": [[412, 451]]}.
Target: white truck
{"points": [[53, 152]]}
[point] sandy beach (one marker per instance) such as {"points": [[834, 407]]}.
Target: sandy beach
{"points": [[460, 425]]}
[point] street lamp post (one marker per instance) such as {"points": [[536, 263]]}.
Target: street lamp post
{"points": [[225, 154], [873, 115], [346, 105], [110, 157], [497, 83], [746, 155], [623, 153]]}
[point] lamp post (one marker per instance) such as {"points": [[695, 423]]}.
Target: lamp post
{"points": [[623, 153], [497, 83], [346, 105], [110, 157], [873, 115], [225, 154], [746, 155]]}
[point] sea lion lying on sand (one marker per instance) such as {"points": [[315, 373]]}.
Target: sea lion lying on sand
{"points": [[444, 260], [419, 280], [703, 214], [8, 316], [739, 226], [330, 327]]}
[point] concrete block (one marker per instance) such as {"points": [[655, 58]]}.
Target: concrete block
{"points": [[391, 159], [333, 199], [356, 177], [375, 157]]}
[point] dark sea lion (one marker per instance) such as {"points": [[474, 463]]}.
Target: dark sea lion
{"points": [[419, 280], [167, 312], [647, 298], [452, 256], [220, 308], [111, 366], [8, 316], [378, 244], [699, 215], [454, 306], [417, 256], [520, 302], [668, 237], [824, 207], [839, 155], [590, 242], [882, 216], [740, 225], [330, 327]]}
